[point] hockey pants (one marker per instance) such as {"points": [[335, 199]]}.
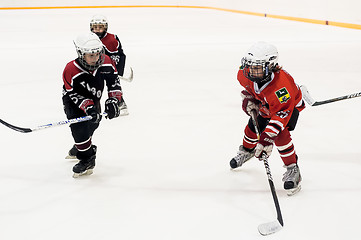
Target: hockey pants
{"points": [[82, 132], [283, 141]]}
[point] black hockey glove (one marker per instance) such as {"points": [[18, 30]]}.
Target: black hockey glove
{"points": [[91, 111], [112, 107]]}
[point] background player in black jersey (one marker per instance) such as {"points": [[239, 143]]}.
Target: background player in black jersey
{"points": [[112, 45], [84, 81]]}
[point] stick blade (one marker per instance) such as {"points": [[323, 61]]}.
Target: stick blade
{"points": [[19, 129], [306, 95], [269, 228], [130, 78]]}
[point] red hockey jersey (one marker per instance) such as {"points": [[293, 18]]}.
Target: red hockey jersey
{"points": [[278, 97]]}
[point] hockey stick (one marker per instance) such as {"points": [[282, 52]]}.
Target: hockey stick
{"points": [[128, 79], [269, 227], [307, 97], [64, 122]]}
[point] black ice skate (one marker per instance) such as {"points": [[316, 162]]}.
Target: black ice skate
{"points": [[242, 156], [84, 167], [292, 179], [72, 153]]}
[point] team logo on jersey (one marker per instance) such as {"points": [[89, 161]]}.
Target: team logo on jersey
{"points": [[283, 95]]}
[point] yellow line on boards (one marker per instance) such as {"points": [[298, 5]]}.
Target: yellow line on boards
{"points": [[298, 19]]}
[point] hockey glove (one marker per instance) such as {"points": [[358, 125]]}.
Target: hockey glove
{"points": [[264, 146], [115, 59], [112, 107], [249, 102], [91, 111]]}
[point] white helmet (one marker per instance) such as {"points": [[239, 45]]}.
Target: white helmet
{"points": [[99, 19], [260, 55], [86, 44]]}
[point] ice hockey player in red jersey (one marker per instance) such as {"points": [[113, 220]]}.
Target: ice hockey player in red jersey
{"points": [[84, 80], [277, 99]]}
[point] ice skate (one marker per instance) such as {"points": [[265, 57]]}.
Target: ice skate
{"points": [[292, 179], [84, 167], [242, 156], [72, 153], [123, 109]]}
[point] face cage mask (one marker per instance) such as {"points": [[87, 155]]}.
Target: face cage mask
{"points": [[246, 65], [88, 66], [100, 35]]}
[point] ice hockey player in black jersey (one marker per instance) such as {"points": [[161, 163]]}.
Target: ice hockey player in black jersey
{"points": [[112, 46], [84, 81]]}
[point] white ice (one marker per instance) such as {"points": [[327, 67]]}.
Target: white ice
{"points": [[163, 171]]}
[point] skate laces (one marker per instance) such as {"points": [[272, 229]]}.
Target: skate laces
{"points": [[243, 155], [291, 174], [238, 157]]}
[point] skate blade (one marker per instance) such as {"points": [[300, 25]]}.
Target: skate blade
{"points": [[293, 191], [123, 112], [70, 157], [86, 172]]}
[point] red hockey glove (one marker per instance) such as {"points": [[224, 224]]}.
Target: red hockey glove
{"points": [[264, 146], [249, 102]]}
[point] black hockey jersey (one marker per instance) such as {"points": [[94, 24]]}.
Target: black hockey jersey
{"points": [[85, 88], [113, 48]]}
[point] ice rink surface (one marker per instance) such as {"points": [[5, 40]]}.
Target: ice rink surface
{"points": [[163, 171]]}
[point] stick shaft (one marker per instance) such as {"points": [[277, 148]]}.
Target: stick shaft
{"points": [[268, 170], [64, 122], [308, 98], [353, 95]]}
